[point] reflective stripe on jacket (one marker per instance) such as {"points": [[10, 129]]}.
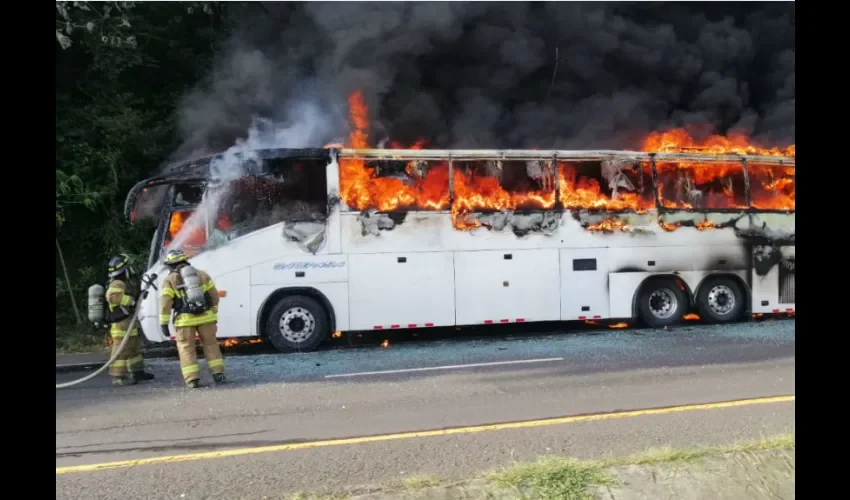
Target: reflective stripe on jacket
{"points": [[119, 294]]}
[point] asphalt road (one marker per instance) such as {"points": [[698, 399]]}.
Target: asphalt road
{"points": [[313, 398]]}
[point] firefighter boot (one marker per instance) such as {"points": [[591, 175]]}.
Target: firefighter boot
{"points": [[123, 381], [193, 384], [142, 375], [219, 378]]}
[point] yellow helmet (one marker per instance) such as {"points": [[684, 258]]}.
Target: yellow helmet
{"points": [[175, 257]]}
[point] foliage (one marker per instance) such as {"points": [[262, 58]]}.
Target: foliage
{"points": [[121, 69]]}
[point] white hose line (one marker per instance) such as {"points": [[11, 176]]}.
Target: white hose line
{"points": [[115, 353]]}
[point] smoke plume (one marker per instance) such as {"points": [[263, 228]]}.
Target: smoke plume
{"points": [[485, 75]]}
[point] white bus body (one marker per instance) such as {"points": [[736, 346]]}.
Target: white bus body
{"points": [[419, 271]]}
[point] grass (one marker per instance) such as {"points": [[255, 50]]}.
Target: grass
{"points": [[78, 340], [419, 482], [552, 478], [663, 455], [561, 478]]}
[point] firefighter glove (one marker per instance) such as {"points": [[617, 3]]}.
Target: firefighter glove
{"points": [[165, 332]]}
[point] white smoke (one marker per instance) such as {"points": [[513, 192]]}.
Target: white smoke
{"points": [[306, 125]]}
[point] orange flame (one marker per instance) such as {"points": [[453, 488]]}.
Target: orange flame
{"points": [[194, 241], [608, 225], [619, 325], [478, 186], [232, 342], [679, 141], [691, 317], [720, 185], [385, 343]]}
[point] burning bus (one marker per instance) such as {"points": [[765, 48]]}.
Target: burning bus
{"points": [[307, 242]]}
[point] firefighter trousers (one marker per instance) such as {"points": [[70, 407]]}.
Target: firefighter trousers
{"points": [[185, 337], [130, 359]]}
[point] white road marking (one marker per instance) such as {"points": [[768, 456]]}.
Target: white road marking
{"points": [[445, 367]]}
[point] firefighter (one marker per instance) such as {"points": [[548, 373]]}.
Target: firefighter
{"points": [[192, 295], [129, 367]]}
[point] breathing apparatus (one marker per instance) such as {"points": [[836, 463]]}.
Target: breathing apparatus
{"points": [[98, 315], [194, 299]]}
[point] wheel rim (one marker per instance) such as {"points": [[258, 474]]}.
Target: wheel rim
{"points": [[721, 300], [663, 303], [297, 324]]}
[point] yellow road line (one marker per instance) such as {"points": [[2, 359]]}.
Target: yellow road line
{"points": [[421, 434]]}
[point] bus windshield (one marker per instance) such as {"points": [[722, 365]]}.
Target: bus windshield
{"points": [[286, 190]]}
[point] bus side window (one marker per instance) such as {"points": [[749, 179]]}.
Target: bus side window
{"points": [[404, 185], [484, 185], [287, 190], [191, 242], [772, 187], [701, 186], [613, 185]]}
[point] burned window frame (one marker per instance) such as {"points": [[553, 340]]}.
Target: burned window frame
{"points": [[558, 156], [709, 164], [645, 187], [377, 163], [279, 192], [752, 179], [500, 165]]}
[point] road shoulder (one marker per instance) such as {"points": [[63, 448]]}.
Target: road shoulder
{"points": [[758, 469]]}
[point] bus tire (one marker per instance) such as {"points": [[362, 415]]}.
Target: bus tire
{"points": [[297, 323], [720, 300], [661, 303]]}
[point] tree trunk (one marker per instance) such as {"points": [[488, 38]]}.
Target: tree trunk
{"points": [[68, 282]]}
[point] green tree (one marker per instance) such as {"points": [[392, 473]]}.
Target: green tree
{"points": [[121, 69]]}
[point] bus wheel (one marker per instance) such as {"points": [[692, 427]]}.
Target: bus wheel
{"points": [[661, 303], [297, 324], [720, 300]]}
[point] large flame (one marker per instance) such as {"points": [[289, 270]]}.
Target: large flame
{"points": [[194, 240], [683, 185], [679, 140], [722, 185]]}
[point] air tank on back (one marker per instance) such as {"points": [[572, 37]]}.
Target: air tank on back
{"points": [[194, 292], [96, 303]]}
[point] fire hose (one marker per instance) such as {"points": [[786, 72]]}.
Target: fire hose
{"points": [[147, 281]]}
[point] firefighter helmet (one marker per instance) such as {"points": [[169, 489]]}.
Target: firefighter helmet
{"points": [[174, 258], [119, 265]]}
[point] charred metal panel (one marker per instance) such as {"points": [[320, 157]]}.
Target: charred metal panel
{"points": [[373, 222], [669, 259], [308, 235], [787, 282], [765, 258], [520, 223], [610, 222]]}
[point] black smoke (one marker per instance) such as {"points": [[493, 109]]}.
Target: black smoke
{"points": [[484, 75]]}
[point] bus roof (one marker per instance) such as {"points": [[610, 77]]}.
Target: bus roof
{"points": [[566, 155]]}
